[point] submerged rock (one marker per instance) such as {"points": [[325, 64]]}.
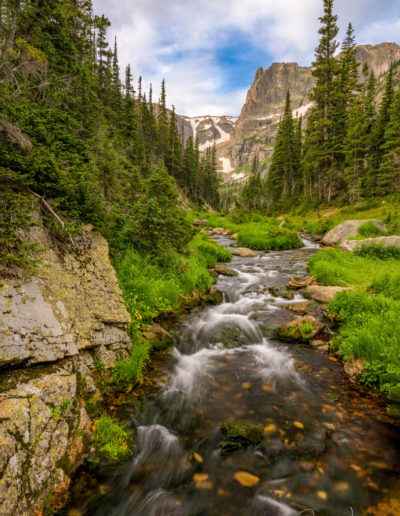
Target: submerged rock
{"points": [[323, 294], [221, 268], [240, 435], [384, 241], [348, 229], [244, 252], [301, 329], [284, 292]]}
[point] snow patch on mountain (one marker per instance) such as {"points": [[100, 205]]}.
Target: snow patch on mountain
{"points": [[226, 165]]}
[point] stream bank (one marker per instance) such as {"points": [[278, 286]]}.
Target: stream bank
{"points": [[240, 423]]}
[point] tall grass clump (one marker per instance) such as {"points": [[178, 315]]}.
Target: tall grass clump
{"points": [[112, 439], [370, 229], [378, 251], [129, 373]]}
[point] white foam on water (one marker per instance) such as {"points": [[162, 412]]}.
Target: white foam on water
{"points": [[189, 375], [277, 508], [274, 364]]}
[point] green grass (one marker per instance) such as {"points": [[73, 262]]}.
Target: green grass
{"points": [[112, 439], [378, 251], [129, 373], [258, 231], [274, 239], [369, 230], [151, 289], [369, 315]]}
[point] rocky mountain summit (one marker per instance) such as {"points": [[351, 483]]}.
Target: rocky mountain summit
{"points": [[255, 131]]}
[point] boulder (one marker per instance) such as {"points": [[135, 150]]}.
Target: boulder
{"points": [[302, 329], [348, 229], [244, 252], [199, 222], [323, 294], [384, 241]]}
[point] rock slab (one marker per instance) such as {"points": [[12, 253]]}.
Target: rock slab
{"points": [[348, 229], [384, 241]]}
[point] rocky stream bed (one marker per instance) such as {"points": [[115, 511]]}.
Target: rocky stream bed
{"points": [[239, 423]]}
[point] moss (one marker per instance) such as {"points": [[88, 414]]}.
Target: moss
{"points": [[244, 432]]}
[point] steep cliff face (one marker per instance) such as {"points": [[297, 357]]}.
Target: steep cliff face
{"points": [[54, 326], [255, 130]]}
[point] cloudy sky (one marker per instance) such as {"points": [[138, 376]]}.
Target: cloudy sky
{"points": [[208, 50]]}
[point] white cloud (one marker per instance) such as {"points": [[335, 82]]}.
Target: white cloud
{"points": [[179, 40]]}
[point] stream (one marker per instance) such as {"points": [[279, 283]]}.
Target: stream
{"points": [[328, 447]]}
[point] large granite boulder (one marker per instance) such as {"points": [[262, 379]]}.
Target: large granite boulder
{"points": [[384, 241], [348, 229]]}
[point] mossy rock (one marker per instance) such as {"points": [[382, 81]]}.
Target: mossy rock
{"points": [[302, 329], [284, 292], [240, 435]]}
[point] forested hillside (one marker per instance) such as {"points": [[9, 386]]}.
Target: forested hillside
{"points": [[98, 148]]}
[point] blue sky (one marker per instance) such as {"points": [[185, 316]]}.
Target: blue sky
{"points": [[209, 51]]}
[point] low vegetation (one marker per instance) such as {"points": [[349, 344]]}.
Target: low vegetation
{"points": [[257, 231], [369, 313], [112, 438]]}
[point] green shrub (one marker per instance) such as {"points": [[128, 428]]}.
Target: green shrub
{"points": [[15, 223], [370, 229], [112, 439]]}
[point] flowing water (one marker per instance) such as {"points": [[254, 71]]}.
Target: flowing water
{"points": [[328, 447]]}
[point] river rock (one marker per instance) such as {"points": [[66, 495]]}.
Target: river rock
{"points": [[323, 294], [384, 241], [240, 435], [301, 329], [348, 229], [218, 231], [158, 336], [300, 308], [244, 252], [221, 268], [214, 296]]}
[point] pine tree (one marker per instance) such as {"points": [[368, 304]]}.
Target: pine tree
{"points": [[162, 123], [377, 138], [388, 180], [284, 166], [319, 158]]}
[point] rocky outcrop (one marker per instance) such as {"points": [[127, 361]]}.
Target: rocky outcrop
{"points": [[384, 241], [348, 229], [55, 326]]}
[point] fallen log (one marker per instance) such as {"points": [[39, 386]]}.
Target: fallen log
{"points": [[293, 283]]}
